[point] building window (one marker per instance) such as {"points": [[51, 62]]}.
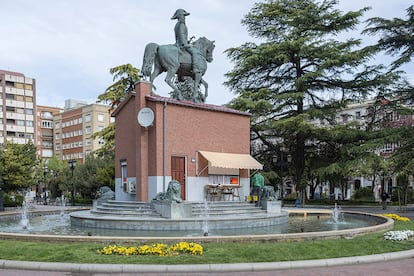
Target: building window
{"points": [[88, 130], [29, 111], [47, 115], [19, 85], [101, 117], [10, 96], [123, 170], [87, 118], [388, 147], [389, 117], [47, 124], [10, 109]]}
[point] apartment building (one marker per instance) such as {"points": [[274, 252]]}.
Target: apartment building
{"points": [[17, 108], [380, 114], [73, 129], [44, 129]]}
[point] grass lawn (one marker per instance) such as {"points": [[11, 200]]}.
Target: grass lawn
{"points": [[213, 252]]}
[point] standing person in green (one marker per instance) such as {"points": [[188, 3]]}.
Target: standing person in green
{"points": [[257, 187]]}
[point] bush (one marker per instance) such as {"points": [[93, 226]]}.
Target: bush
{"points": [[364, 193], [12, 200]]}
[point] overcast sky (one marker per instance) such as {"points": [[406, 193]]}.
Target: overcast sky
{"points": [[68, 46]]}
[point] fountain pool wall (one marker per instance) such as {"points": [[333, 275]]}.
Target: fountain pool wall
{"points": [[384, 224]]}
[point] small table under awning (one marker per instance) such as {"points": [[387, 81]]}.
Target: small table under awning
{"points": [[216, 192]]}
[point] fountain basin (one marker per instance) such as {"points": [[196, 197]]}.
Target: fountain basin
{"points": [[380, 224], [192, 216]]}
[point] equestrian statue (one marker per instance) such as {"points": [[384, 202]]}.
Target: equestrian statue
{"points": [[184, 59]]}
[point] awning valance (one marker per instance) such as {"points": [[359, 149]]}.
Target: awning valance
{"points": [[231, 160]]}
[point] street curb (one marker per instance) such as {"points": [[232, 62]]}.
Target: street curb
{"points": [[208, 268]]}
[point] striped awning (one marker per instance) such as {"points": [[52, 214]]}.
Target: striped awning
{"points": [[231, 160]]}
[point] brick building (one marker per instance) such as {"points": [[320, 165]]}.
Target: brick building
{"points": [[159, 139], [73, 129]]}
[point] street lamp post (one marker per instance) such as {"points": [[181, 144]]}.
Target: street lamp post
{"points": [[282, 167], [282, 164], [72, 165], [44, 188]]}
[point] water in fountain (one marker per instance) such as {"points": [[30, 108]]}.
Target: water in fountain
{"points": [[337, 215], [205, 216], [62, 205], [24, 221]]}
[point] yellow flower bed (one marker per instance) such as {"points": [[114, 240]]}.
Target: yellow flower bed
{"points": [[158, 249], [396, 217]]}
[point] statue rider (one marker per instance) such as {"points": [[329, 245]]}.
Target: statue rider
{"points": [[181, 34]]}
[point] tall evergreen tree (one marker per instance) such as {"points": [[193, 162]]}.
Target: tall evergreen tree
{"points": [[300, 74], [397, 39], [396, 36]]}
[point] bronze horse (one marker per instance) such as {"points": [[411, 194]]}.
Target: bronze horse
{"points": [[169, 58]]}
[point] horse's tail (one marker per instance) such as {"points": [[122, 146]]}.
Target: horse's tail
{"points": [[149, 56]]}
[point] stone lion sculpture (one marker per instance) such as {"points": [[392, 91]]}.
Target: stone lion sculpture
{"points": [[268, 193], [105, 193], [173, 193]]}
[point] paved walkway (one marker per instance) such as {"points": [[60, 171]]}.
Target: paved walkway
{"points": [[399, 263]]}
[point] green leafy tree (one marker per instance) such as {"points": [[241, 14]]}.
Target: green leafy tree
{"points": [[53, 171], [300, 74], [88, 177], [125, 77], [18, 162]]}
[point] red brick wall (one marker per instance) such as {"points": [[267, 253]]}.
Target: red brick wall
{"points": [[189, 128], [125, 126]]}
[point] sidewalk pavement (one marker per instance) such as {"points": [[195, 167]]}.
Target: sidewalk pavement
{"points": [[397, 263]]}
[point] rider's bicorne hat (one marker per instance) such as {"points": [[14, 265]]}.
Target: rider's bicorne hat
{"points": [[180, 12]]}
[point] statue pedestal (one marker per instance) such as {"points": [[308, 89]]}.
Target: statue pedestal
{"points": [[273, 206], [172, 210]]}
